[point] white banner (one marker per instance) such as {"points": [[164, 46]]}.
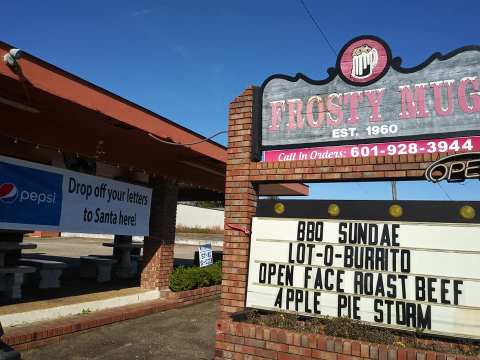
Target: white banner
{"points": [[396, 274], [40, 197]]}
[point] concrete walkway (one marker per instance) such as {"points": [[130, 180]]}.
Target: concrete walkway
{"points": [[184, 334]]}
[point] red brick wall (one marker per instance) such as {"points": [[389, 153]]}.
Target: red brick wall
{"points": [[158, 247], [240, 204], [253, 342], [193, 296], [397, 167]]}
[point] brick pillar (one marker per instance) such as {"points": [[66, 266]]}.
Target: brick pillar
{"points": [[158, 247], [240, 204]]}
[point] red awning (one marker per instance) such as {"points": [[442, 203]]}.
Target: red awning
{"points": [[62, 112]]}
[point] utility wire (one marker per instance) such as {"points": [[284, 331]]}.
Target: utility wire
{"points": [[182, 144], [318, 27], [444, 191], [362, 189]]}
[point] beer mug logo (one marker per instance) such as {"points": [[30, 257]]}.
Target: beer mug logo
{"points": [[364, 60]]}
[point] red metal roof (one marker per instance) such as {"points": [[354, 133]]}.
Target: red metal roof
{"points": [[59, 110]]}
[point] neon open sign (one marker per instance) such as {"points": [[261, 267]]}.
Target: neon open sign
{"points": [[454, 168]]}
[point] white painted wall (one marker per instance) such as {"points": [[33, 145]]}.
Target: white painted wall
{"points": [[192, 216]]}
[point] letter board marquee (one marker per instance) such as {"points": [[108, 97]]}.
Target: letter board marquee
{"points": [[403, 265], [369, 99]]}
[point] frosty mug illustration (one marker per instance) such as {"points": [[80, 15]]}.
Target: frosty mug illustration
{"points": [[364, 60]]}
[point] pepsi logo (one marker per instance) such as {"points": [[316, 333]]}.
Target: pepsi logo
{"points": [[8, 193]]}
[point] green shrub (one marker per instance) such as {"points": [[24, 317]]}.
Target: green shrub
{"points": [[188, 278], [214, 273]]}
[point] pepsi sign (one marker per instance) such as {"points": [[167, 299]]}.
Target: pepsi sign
{"points": [[30, 196], [40, 197]]}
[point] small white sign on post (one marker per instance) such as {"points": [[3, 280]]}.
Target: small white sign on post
{"points": [[205, 255]]}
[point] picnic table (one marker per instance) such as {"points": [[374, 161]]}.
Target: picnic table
{"points": [[11, 274], [11, 280], [7, 246], [124, 268]]}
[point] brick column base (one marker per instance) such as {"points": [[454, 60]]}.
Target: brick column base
{"points": [[158, 266], [158, 247]]}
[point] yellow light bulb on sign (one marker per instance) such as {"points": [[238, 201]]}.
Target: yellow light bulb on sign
{"points": [[279, 208], [467, 212], [395, 211], [333, 210]]}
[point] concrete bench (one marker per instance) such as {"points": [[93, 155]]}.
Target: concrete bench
{"points": [[136, 261], [11, 280], [93, 267], [49, 271]]}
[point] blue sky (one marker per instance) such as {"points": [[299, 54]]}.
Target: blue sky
{"points": [[187, 60]]}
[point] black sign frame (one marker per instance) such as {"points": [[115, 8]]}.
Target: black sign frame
{"points": [[371, 210], [394, 63]]}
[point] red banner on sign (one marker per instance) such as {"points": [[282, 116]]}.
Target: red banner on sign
{"points": [[459, 144]]}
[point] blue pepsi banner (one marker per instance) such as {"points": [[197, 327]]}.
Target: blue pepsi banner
{"points": [[40, 197], [30, 196]]}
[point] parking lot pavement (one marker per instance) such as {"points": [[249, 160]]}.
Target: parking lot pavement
{"points": [[184, 334], [76, 247]]}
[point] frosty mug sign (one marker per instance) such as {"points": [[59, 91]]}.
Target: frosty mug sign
{"points": [[371, 106], [368, 266]]}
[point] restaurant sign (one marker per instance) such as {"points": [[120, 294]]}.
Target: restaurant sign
{"points": [[409, 265], [371, 106]]}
